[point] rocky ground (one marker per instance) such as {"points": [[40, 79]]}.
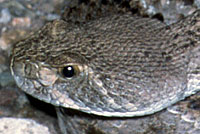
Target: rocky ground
{"points": [[19, 17]]}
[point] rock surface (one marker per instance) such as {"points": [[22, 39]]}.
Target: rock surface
{"points": [[21, 126]]}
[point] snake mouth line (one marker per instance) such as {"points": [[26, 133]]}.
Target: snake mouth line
{"points": [[55, 98]]}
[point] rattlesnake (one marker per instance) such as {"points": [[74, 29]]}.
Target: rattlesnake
{"points": [[112, 67]]}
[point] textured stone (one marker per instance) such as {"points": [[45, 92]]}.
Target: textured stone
{"points": [[21, 126]]}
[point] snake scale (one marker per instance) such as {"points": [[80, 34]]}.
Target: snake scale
{"points": [[117, 66]]}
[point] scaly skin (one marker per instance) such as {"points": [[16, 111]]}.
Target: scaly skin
{"points": [[126, 66]]}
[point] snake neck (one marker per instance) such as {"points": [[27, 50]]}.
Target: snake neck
{"points": [[184, 48], [182, 37]]}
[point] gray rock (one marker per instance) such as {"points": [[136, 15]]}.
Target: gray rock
{"points": [[21, 126], [5, 16]]}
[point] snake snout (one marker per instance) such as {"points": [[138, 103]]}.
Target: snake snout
{"points": [[17, 70], [23, 71]]}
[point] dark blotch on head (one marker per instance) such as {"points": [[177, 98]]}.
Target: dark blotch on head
{"points": [[146, 54], [159, 16], [168, 58]]}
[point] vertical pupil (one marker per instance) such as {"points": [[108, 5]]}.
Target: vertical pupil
{"points": [[68, 71]]}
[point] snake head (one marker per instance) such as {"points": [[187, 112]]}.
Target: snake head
{"points": [[113, 66]]}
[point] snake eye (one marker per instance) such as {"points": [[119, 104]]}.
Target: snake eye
{"points": [[70, 71]]}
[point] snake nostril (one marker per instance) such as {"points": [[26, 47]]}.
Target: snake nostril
{"points": [[17, 69], [31, 70]]}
